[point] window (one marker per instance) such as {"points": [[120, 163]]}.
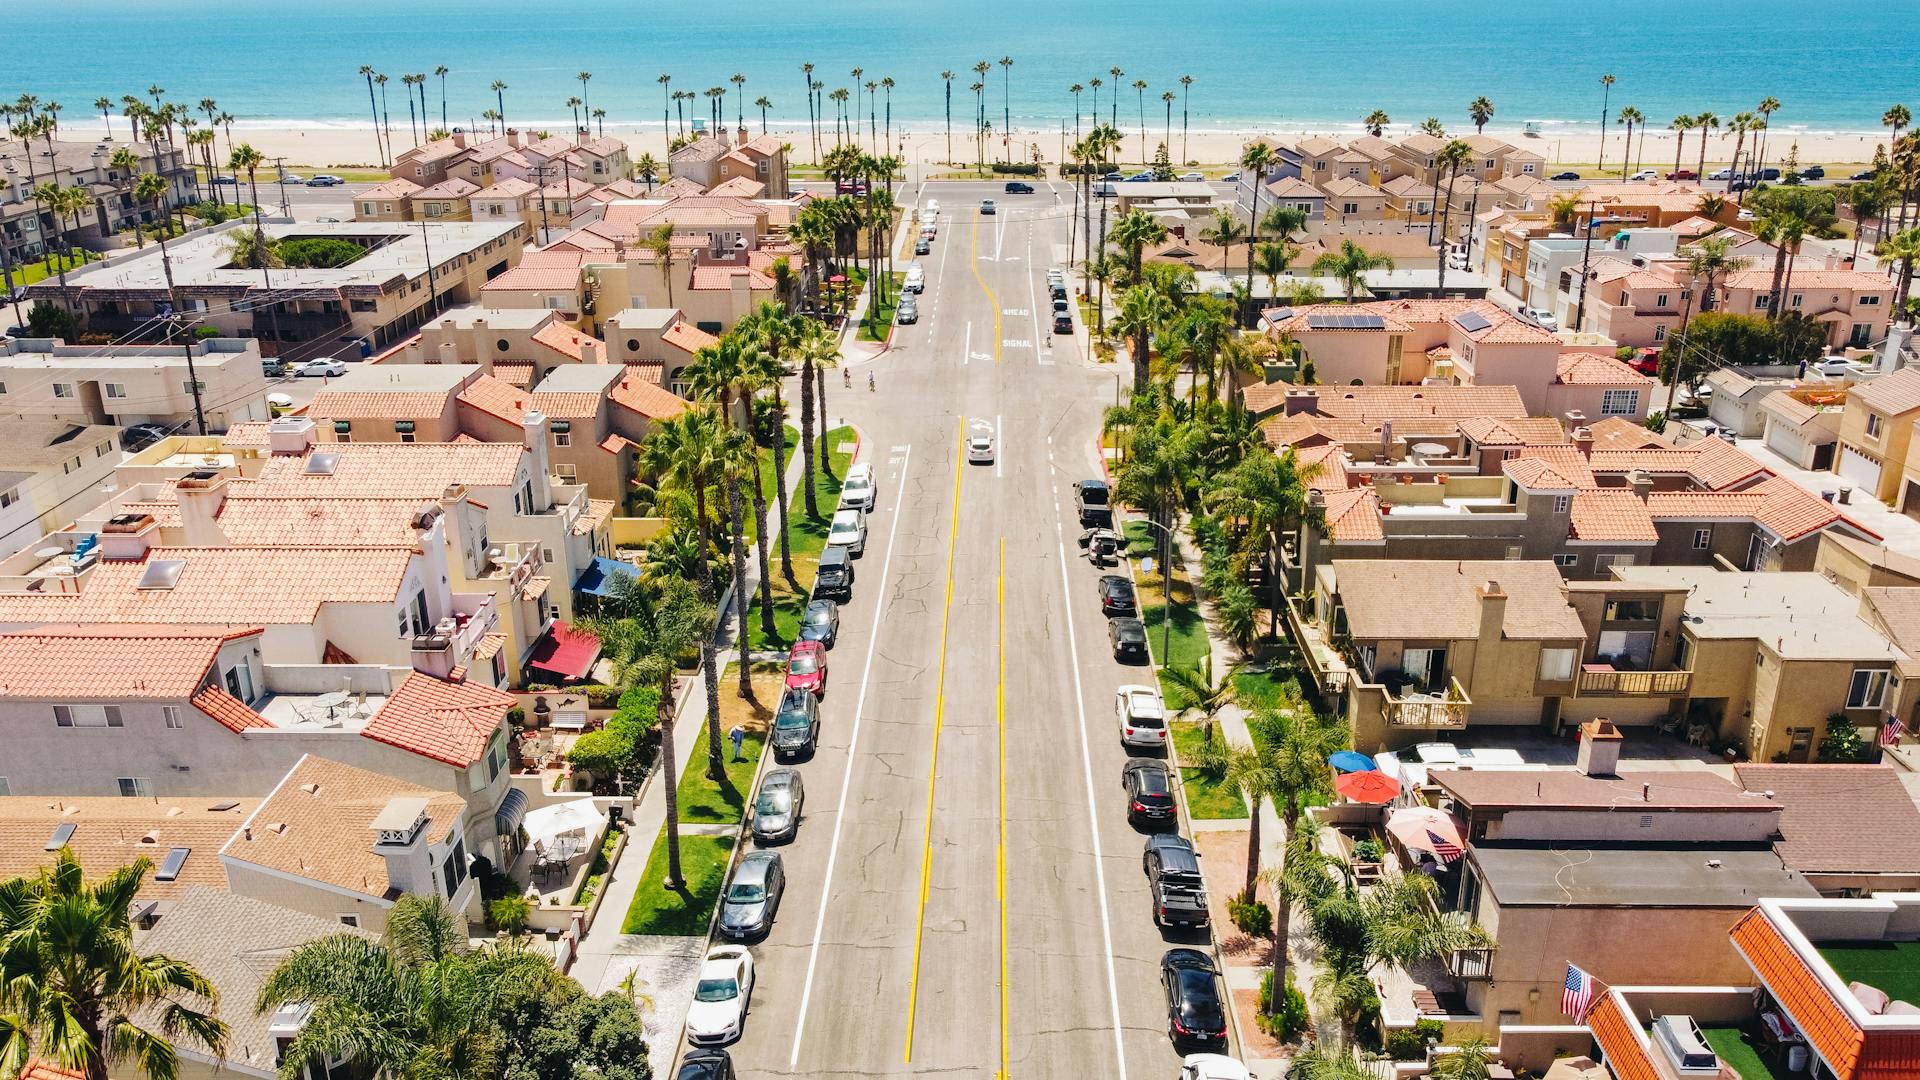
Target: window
{"points": [[9, 497], [1556, 665], [5, 788], [1562, 503], [453, 872], [562, 438], [1659, 334], [1601, 562], [87, 716], [3, 388], [1798, 299], [1350, 208], [1660, 301], [62, 390], [135, 787], [239, 680], [100, 449], [1620, 403], [350, 920], [1868, 689], [1626, 298], [1702, 539], [566, 472], [1527, 168], [1874, 424], [363, 305], [1566, 560], [192, 386], [1642, 610], [115, 390], [171, 714]]}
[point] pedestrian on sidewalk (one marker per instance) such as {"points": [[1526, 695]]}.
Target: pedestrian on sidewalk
{"points": [[737, 736]]}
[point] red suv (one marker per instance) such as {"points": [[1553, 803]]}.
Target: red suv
{"points": [[807, 667]]}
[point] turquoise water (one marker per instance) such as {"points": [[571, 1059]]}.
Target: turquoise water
{"points": [[1834, 65]]}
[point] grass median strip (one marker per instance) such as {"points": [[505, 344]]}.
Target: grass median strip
{"points": [[1208, 796], [805, 537], [660, 911], [702, 801]]}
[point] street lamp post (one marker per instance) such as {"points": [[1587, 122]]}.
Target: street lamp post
{"points": [[1166, 590]]}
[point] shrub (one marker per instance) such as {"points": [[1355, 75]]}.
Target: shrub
{"points": [[516, 716], [1286, 1019], [493, 883], [1843, 741], [510, 913], [1368, 850], [46, 321], [320, 251], [1253, 917], [1625, 352], [1410, 1044], [603, 753], [598, 695]]}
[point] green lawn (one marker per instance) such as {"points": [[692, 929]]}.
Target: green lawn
{"points": [[1206, 797], [1188, 642], [703, 863], [878, 321], [26, 273], [1738, 1054], [703, 801], [1891, 966], [805, 536]]}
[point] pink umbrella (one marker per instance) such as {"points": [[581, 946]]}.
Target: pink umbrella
{"points": [[1422, 828], [1367, 787]]}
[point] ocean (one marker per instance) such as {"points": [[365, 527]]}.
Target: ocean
{"points": [[1835, 65]]}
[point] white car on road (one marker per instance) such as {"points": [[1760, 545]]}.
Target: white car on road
{"points": [[980, 449], [1212, 1067], [849, 530], [1143, 718], [720, 998], [1836, 367], [857, 490], [916, 280], [929, 209], [320, 368]]}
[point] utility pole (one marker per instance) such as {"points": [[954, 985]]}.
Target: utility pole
{"points": [[540, 194], [1586, 251], [280, 175], [433, 296], [6, 271], [1100, 305], [176, 323], [1680, 351]]}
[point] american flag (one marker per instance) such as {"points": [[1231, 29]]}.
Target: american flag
{"points": [[1577, 994], [1890, 734], [1443, 849]]}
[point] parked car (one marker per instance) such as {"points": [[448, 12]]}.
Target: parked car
{"points": [[1683, 174], [776, 812], [1129, 640], [1720, 174], [849, 530], [1139, 178], [1209, 1067], [753, 895], [1646, 362], [1813, 172], [1173, 879], [796, 725], [279, 404], [325, 180], [317, 368], [1019, 187], [224, 180], [1540, 317], [986, 207], [1113, 177], [820, 622], [1060, 305], [1116, 595], [1864, 174], [1192, 177], [980, 449], [1769, 173], [713, 1063], [921, 247], [140, 436], [807, 667], [1056, 289], [1063, 324], [1149, 788], [1194, 1010], [1231, 178], [850, 187], [1142, 716], [1646, 174], [292, 178], [857, 490], [1568, 175], [916, 279], [1094, 503], [908, 312], [1835, 367], [720, 996], [833, 579]]}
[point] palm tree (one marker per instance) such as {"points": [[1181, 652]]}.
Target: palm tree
{"points": [[127, 163], [1265, 497], [1606, 94], [1902, 248], [1376, 122], [500, 101], [1707, 123], [1629, 116], [413, 121], [1202, 697], [1767, 107], [733, 368], [763, 103], [819, 349], [386, 116], [688, 454], [1271, 261], [441, 72], [739, 82], [659, 241], [1350, 266], [1133, 233], [1784, 229], [1140, 91], [1480, 109], [1897, 117], [1186, 94], [151, 188], [1711, 206], [574, 104], [1470, 1059], [946, 81], [1006, 98], [1432, 126], [1681, 125], [1452, 156], [1225, 231], [413, 1003], [373, 103], [1095, 84], [1740, 125], [71, 980], [1143, 310], [775, 330], [813, 130], [1318, 1061], [1113, 120], [1255, 159], [105, 105], [886, 130], [64, 203]]}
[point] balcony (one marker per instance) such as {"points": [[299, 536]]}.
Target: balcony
{"points": [[1470, 963], [1421, 710], [1599, 680]]}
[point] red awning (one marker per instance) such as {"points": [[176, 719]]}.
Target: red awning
{"points": [[566, 652]]}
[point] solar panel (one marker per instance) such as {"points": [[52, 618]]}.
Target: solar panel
{"points": [[170, 866], [162, 574], [1472, 321], [1333, 321], [62, 833], [321, 464], [1368, 322]]}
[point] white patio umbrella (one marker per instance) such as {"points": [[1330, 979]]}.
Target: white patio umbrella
{"points": [[575, 817]]}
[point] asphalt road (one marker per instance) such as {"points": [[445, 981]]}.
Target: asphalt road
{"points": [[965, 893]]}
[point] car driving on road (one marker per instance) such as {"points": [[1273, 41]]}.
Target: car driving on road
{"points": [[849, 530], [820, 622], [986, 206], [753, 895], [720, 996], [796, 725], [776, 812], [1569, 175], [1142, 716], [1129, 640], [1116, 595], [1019, 187], [1149, 788], [319, 368], [1195, 1014], [980, 449]]}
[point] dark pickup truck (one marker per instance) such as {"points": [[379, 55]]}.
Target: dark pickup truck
{"points": [[1173, 873]]}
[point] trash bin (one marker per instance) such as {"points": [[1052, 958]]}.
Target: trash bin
{"points": [[1797, 1058], [1846, 496]]}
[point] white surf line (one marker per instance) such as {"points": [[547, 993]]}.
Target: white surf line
{"points": [[846, 779], [1093, 819]]}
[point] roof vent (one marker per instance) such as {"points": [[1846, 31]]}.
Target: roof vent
{"points": [[1685, 1048], [162, 574], [321, 464]]}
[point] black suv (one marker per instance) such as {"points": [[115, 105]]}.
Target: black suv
{"points": [[1094, 502], [796, 726], [1019, 187], [1149, 789], [1128, 639], [706, 1063], [834, 580]]}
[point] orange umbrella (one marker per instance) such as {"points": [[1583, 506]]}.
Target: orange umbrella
{"points": [[1367, 787], [1422, 828]]}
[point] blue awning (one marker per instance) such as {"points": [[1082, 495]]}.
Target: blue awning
{"points": [[602, 576], [513, 809]]}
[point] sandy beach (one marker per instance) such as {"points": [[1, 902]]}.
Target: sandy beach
{"points": [[350, 146]]}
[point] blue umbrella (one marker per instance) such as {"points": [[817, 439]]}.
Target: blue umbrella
{"points": [[1352, 761]]}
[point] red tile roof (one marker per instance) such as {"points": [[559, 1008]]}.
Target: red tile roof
{"points": [[516, 372], [1591, 369], [376, 404], [497, 397], [1354, 515], [230, 711], [393, 470], [1611, 515], [1620, 433], [240, 586], [1892, 394], [1513, 431], [1854, 1054], [651, 401], [687, 337], [1533, 472], [450, 722], [1711, 463], [133, 661], [1782, 506]]}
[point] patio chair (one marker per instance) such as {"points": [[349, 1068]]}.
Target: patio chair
{"points": [[1871, 998]]}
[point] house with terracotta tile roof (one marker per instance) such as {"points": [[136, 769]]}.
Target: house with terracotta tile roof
{"points": [[658, 342], [1802, 423], [506, 200], [108, 832], [714, 159], [391, 201], [1594, 385], [1876, 436], [1351, 201], [1853, 306]]}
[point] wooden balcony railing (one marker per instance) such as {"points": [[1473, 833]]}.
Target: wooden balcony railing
{"points": [[1608, 683], [1423, 711], [1470, 963]]}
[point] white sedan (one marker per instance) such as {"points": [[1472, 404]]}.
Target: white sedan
{"points": [[1212, 1067], [980, 449], [849, 530], [1836, 367], [320, 368], [1142, 716], [720, 998]]}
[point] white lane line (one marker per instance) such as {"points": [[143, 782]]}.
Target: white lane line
{"points": [[846, 779], [1041, 341], [966, 351], [1001, 454], [1093, 819]]}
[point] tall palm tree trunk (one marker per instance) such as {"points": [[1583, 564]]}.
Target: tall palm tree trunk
{"points": [[1283, 906], [780, 488], [1253, 855], [807, 370], [820, 392], [668, 773], [736, 527]]}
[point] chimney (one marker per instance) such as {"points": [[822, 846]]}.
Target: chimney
{"points": [[460, 139], [400, 837], [202, 494], [740, 136], [1599, 747], [433, 655], [127, 536], [1300, 402], [1493, 611], [590, 352], [1583, 440], [1642, 482], [449, 353], [1575, 419], [290, 435]]}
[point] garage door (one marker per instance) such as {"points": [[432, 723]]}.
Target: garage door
{"points": [[1787, 442], [1861, 469]]}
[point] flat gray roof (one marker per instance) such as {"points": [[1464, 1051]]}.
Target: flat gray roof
{"points": [[1567, 874], [580, 378], [1801, 613], [466, 316], [402, 378]]}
